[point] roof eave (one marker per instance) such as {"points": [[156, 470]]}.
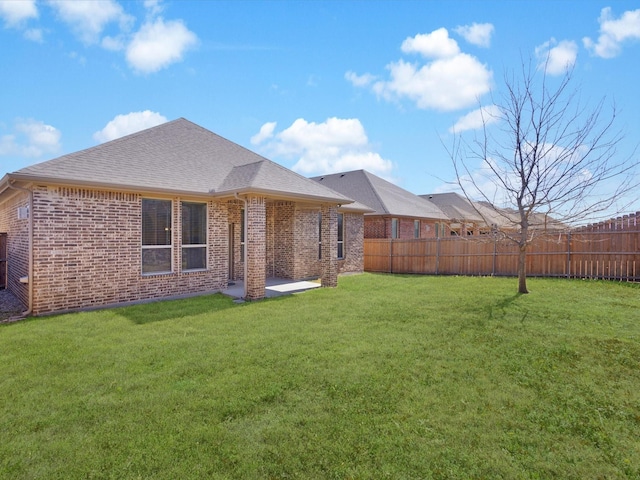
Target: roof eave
{"points": [[275, 194], [280, 195], [103, 185]]}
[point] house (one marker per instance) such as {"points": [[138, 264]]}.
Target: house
{"points": [[467, 218], [480, 218], [168, 211], [396, 213]]}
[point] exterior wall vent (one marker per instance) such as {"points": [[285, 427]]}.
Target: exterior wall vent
{"points": [[23, 213]]}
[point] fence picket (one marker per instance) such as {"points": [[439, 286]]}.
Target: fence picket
{"points": [[607, 250]]}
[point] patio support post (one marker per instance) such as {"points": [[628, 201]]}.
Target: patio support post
{"points": [[256, 250], [329, 235]]}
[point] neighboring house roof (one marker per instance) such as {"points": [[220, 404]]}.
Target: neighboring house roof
{"points": [[455, 206], [381, 196], [177, 157], [459, 208]]}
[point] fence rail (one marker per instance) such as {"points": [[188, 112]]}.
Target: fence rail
{"points": [[602, 252]]}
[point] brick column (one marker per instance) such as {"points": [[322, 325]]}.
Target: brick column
{"points": [[256, 240], [329, 233]]}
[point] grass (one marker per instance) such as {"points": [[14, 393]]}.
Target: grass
{"points": [[384, 377]]}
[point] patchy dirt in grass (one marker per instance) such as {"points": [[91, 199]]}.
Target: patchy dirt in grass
{"points": [[10, 307]]}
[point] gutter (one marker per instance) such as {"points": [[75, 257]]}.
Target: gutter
{"points": [[11, 185]]}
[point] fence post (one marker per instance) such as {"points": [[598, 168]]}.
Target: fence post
{"points": [[495, 253], [569, 254], [391, 255], [437, 255]]}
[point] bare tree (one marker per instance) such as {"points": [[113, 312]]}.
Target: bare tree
{"points": [[546, 155]]}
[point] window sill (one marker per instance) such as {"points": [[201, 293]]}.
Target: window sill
{"points": [[157, 274]]}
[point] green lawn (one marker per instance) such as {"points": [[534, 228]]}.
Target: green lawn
{"points": [[401, 377]]}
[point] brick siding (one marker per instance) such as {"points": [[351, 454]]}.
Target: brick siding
{"points": [[17, 245], [377, 226], [87, 251], [353, 261], [87, 247]]}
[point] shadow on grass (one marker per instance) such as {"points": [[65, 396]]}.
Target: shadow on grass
{"points": [[502, 305], [159, 311]]}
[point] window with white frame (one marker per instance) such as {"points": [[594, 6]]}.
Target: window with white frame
{"points": [[340, 235], [194, 236], [156, 236], [416, 229]]}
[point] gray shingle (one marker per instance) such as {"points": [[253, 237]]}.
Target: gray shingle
{"points": [[383, 197], [177, 156]]}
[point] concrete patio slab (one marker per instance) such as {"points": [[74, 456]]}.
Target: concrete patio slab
{"points": [[274, 287]]}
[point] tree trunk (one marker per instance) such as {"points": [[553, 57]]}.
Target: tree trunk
{"points": [[522, 270]]}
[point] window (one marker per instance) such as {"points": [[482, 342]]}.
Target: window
{"points": [[394, 228], [242, 222], [194, 236], [416, 229], [341, 235], [319, 235], [156, 236]]}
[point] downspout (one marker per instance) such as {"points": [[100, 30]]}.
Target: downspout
{"points": [[27, 312], [246, 238]]}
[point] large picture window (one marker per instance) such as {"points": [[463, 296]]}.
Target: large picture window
{"points": [[194, 236], [156, 236]]}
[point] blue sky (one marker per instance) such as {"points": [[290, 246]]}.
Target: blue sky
{"points": [[318, 86]]}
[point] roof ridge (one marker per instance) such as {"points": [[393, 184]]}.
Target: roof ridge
{"points": [[375, 191]]}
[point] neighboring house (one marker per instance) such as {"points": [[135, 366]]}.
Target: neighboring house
{"points": [[480, 218], [466, 218], [168, 211], [396, 213]]}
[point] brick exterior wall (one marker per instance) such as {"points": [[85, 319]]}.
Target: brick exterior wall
{"points": [[87, 247], [329, 261], [87, 251], [378, 226], [292, 233], [306, 262], [17, 245], [353, 261], [256, 247], [235, 225], [280, 239]]}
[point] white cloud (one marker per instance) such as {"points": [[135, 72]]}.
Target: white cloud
{"points": [[359, 80], [132, 122], [444, 84], [335, 145], [614, 32], [33, 34], [31, 139], [450, 81], [557, 57], [478, 34], [266, 132], [476, 119], [153, 6], [88, 18], [158, 44], [436, 44], [15, 13]]}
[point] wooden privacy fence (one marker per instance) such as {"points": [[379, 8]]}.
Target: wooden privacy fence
{"points": [[597, 254]]}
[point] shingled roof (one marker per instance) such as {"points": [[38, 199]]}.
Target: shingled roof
{"points": [[177, 157], [383, 197]]}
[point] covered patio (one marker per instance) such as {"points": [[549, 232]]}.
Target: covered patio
{"points": [[274, 287]]}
